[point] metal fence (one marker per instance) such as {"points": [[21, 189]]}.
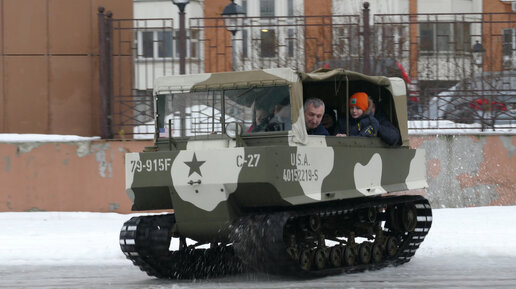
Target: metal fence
{"points": [[269, 42], [133, 52], [148, 42], [458, 67]]}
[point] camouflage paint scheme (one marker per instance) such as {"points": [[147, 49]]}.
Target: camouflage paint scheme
{"points": [[210, 181]]}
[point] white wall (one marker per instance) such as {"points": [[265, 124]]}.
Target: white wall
{"points": [[353, 7], [280, 7], [450, 6], [166, 9], [347, 7]]}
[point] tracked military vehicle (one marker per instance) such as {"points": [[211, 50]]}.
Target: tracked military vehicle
{"points": [[245, 188]]}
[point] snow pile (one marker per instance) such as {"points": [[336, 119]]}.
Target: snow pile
{"points": [[92, 238], [482, 231], [416, 127], [433, 127], [60, 238], [23, 138]]}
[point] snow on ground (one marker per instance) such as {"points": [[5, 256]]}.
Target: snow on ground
{"points": [[57, 238], [60, 238], [446, 127], [28, 137], [417, 127]]}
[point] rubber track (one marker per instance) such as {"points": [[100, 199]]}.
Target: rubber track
{"points": [[145, 240], [258, 239]]}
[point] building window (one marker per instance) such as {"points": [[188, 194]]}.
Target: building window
{"points": [[161, 44], [164, 44], [290, 7], [444, 37], [290, 42], [266, 8], [508, 46], [147, 50], [390, 39], [176, 41], [244, 6], [462, 36], [268, 38], [194, 43], [346, 41], [245, 46]]}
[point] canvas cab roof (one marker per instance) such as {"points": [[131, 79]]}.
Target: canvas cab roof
{"points": [[333, 86]]}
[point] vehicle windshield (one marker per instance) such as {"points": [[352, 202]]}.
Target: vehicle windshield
{"points": [[259, 109]]}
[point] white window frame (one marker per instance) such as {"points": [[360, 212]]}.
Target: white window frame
{"points": [[175, 53]]}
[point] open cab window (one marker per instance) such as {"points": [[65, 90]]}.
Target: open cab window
{"points": [[335, 94], [197, 113]]}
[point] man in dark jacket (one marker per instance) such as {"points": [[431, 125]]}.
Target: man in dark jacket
{"points": [[314, 111]]}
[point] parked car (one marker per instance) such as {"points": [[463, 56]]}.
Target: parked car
{"points": [[488, 98]]}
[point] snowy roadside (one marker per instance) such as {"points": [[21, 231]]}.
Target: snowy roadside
{"points": [[60, 238], [32, 137]]}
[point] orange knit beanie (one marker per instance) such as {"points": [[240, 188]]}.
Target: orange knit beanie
{"points": [[360, 100]]}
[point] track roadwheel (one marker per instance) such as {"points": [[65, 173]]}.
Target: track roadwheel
{"points": [[409, 217], [320, 259], [314, 223], [305, 259], [371, 215], [348, 257], [391, 247], [376, 254], [293, 253], [364, 253], [335, 256]]}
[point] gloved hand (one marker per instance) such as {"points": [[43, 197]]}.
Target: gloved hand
{"points": [[368, 126]]}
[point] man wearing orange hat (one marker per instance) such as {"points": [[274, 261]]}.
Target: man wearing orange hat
{"points": [[361, 121]]}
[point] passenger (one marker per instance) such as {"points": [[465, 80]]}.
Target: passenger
{"points": [[387, 131], [361, 120], [281, 119], [314, 111], [329, 120]]}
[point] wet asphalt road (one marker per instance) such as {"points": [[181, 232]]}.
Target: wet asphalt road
{"points": [[424, 272]]}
